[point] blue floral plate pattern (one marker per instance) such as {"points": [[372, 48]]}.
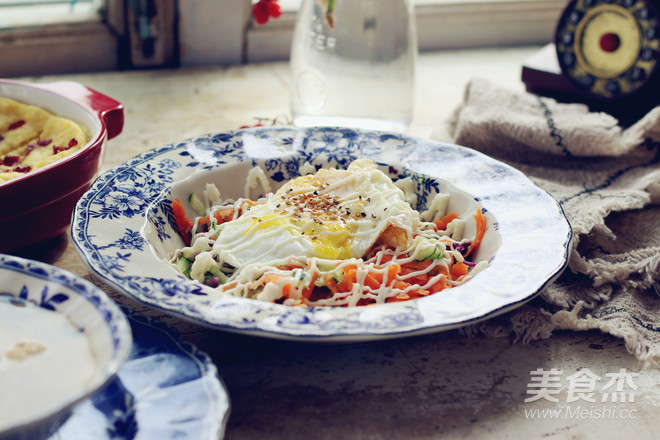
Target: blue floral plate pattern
{"points": [[123, 228], [167, 389]]}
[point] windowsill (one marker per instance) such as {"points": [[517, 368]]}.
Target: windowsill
{"points": [[56, 48], [88, 46], [210, 99], [17, 17]]}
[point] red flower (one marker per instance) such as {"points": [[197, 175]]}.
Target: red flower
{"points": [[265, 9]]}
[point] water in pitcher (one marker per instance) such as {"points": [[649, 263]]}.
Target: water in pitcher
{"points": [[354, 67]]}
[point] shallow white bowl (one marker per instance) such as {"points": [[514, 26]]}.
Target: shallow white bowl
{"points": [[89, 311], [123, 228]]}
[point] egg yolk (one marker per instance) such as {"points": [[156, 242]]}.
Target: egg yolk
{"points": [[329, 239]]}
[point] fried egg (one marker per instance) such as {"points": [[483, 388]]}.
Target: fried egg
{"points": [[330, 215]]}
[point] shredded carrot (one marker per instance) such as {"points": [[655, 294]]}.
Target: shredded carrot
{"points": [[415, 266], [412, 279], [330, 283], [414, 293], [183, 223], [392, 272], [269, 277], [402, 296], [229, 286], [376, 279], [373, 280], [349, 278], [459, 269], [400, 285], [481, 230], [441, 223], [307, 292], [411, 294], [439, 285], [225, 215], [421, 276]]}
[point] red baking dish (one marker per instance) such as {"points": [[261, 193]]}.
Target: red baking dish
{"points": [[38, 205]]}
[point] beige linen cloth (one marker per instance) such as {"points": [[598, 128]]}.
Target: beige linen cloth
{"points": [[607, 180]]}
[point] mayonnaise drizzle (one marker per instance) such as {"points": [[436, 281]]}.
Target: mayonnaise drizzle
{"points": [[277, 239]]}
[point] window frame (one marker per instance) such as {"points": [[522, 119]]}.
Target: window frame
{"points": [[56, 48], [441, 25], [221, 32]]}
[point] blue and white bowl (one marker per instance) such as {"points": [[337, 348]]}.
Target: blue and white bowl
{"points": [[124, 230], [77, 340]]}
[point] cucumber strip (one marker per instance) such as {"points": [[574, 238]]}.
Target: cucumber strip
{"points": [[184, 264], [433, 254], [437, 253], [196, 204]]}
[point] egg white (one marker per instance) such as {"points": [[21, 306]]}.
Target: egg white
{"points": [[330, 215]]}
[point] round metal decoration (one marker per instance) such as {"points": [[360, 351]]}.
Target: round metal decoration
{"points": [[609, 49]]}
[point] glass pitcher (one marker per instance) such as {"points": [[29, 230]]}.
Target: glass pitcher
{"points": [[353, 64]]}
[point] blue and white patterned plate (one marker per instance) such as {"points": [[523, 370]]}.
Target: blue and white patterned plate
{"points": [[167, 389], [59, 307], [123, 228]]}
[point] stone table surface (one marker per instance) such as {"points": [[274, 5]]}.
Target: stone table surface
{"points": [[443, 385]]}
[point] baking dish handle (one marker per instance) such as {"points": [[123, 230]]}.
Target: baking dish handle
{"points": [[109, 111]]}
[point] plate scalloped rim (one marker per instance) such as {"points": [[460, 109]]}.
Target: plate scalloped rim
{"points": [[148, 394], [108, 222]]}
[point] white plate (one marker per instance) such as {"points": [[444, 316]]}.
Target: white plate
{"points": [[122, 227]]}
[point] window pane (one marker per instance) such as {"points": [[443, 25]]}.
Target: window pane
{"points": [[16, 13], [40, 37], [294, 5], [290, 5], [441, 25]]}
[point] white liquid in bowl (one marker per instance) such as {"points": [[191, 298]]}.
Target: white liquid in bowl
{"points": [[45, 361]]}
